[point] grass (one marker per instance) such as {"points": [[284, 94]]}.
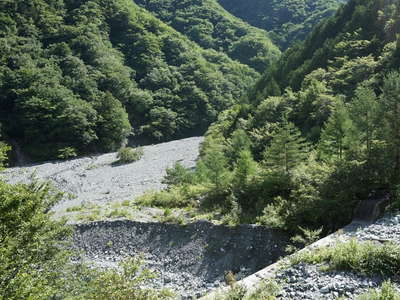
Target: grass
{"points": [[267, 290], [75, 208], [82, 207], [386, 292], [94, 215], [175, 197], [170, 217], [366, 258], [118, 213]]}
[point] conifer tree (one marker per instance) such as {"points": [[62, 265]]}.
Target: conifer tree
{"points": [[391, 118], [364, 112], [337, 133], [245, 168], [288, 148]]}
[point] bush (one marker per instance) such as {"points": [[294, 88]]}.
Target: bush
{"points": [[365, 258], [178, 175], [4, 149], [32, 252], [387, 292], [176, 197], [67, 153], [128, 155], [127, 283], [267, 290]]}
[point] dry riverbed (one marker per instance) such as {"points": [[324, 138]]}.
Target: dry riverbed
{"points": [[96, 187]]}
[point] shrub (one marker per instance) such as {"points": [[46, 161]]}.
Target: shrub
{"points": [[175, 197], [178, 175], [119, 213], [387, 292], [4, 149], [126, 283], [67, 153], [267, 290], [128, 155], [32, 252]]}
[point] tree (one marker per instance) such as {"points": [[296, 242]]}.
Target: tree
{"points": [[245, 169], [213, 167], [364, 111], [288, 148], [32, 244], [390, 100], [335, 137]]}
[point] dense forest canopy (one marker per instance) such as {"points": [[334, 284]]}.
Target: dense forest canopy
{"points": [[78, 75], [317, 134], [209, 25], [287, 21]]}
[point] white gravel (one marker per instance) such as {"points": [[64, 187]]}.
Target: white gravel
{"points": [[99, 180]]}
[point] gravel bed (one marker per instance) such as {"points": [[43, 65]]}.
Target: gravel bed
{"points": [[307, 282], [384, 230], [191, 259], [99, 180]]}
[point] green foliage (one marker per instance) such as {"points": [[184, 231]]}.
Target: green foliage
{"points": [[287, 21], [209, 25], [123, 284], [35, 262], [287, 150], [4, 150], [83, 74], [336, 136], [339, 94], [32, 247], [175, 197], [386, 292], [391, 123], [128, 155], [178, 175], [266, 290], [67, 153], [306, 238], [366, 258]]}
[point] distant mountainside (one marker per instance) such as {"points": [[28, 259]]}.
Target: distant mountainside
{"points": [[77, 75], [319, 132], [212, 27], [287, 21]]}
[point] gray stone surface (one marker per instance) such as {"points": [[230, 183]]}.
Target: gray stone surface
{"points": [[386, 229], [189, 259], [99, 180], [306, 282]]}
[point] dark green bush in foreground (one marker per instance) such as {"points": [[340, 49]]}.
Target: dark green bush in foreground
{"points": [[35, 263]]}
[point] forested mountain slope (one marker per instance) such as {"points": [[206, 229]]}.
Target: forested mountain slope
{"points": [[286, 20], [77, 75], [212, 27], [318, 134]]}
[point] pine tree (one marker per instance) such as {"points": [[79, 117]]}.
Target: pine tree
{"points": [[337, 134], [288, 148], [391, 118], [364, 112], [245, 169]]}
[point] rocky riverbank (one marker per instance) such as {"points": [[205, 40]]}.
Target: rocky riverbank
{"points": [[307, 282], [189, 260]]}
